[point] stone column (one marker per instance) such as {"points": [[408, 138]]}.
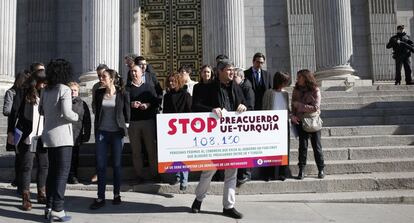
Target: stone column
{"points": [[333, 40], [382, 25], [100, 36], [130, 31], [223, 31], [8, 11], [301, 37]]}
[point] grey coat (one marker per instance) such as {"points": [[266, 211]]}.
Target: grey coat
{"points": [[56, 107], [8, 101]]}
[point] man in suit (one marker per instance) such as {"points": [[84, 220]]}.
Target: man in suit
{"points": [[261, 81]]}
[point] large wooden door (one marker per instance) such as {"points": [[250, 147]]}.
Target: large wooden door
{"points": [[171, 35]]}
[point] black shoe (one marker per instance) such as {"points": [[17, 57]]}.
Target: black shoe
{"points": [[321, 174], [73, 180], [116, 200], [232, 213], [242, 181], [14, 183], [301, 174], [97, 204], [282, 178], [174, 182], [183, 187], [47, 213], [397, 82], [196, 206]]}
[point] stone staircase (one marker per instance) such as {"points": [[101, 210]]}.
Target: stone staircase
{"points": [[368, 143]]}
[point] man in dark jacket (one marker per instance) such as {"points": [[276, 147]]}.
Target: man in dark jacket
{"points": [[402, 47], [150, 77], [222, 95]]}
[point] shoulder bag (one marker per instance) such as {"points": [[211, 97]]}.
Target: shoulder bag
{"points": [[311, 122]]}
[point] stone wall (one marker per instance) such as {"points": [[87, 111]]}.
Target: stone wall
{"points": [[267, 32], [69, 33], [360, 39]]}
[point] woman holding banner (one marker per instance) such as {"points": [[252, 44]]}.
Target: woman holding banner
{"points": [[177, 100]]}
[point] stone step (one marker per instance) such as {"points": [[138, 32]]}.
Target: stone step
{"points": [[342, 106], [87, 158], [361, 166], [367, 112], [332, 167], [358, 153], [336, 94], [362, 141], [331, 183], [368, 130], [366, 99], [334, 188], [369, 120]]}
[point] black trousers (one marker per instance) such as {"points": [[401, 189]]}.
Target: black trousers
{"points": [[406, 62], [243, 173], [59, 167], [75, 162], [315, 138], [26, 166], [17, 176]]}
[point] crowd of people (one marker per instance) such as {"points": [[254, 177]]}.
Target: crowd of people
{"points": [[48, 120]]}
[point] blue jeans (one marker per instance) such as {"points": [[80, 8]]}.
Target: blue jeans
{"points": [[182, 177], [116, 140], [59, 166]]}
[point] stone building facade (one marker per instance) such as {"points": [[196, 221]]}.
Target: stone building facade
{"points": [[335, 38]]}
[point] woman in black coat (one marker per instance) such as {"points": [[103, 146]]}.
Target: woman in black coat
{"points": [[177, 100]]}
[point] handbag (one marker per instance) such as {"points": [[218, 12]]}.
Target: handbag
{"points": [[35, 140], [311, 122]]}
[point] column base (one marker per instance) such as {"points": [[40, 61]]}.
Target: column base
{"points": [[87, 80], [6, 83], [340, 76]]}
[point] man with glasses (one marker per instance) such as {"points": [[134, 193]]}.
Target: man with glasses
{"points": [[150, 77]]}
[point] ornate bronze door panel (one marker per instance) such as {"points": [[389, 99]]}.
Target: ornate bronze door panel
{"points": [[171, 35]]}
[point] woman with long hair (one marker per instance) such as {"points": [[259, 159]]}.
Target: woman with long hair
{"points": [[111, 120], [11, 98], [177, 100], [56, 106], [30, 123], [306, 98]]}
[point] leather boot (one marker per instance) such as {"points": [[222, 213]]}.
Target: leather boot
{"points": [[26, 204], [41, 195], [301, 174]]}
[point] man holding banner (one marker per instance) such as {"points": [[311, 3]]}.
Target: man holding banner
{"points": [[221, 136], [224, 95]]}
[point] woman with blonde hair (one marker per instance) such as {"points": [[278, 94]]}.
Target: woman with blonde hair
{"points": [[177, 100]]}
